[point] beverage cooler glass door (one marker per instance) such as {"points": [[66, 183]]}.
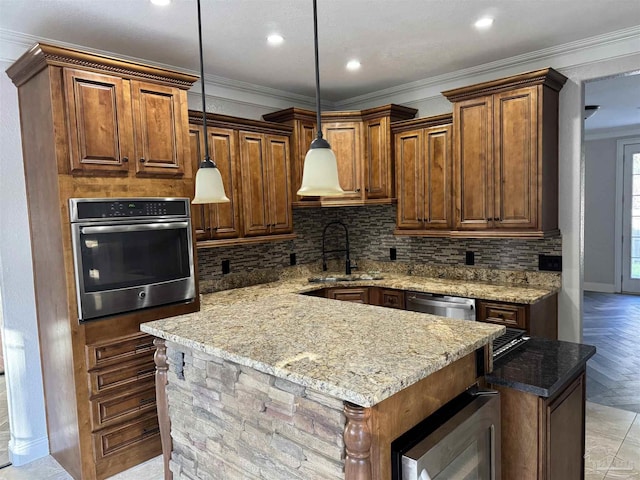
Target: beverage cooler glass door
{"points": [[464, 446]]}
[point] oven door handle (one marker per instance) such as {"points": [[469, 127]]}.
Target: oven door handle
{"points": [[436, 303], [134, 228]]}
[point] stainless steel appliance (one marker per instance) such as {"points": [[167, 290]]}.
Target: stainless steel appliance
{"points": [[442, 305], [459, 441], [131, 253]]}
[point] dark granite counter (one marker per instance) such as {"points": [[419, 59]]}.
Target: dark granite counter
{"points": [[540, 366]]}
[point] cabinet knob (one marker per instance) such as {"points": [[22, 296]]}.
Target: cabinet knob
{"points": [[357, 190], [366, 189], [495, 219], [142, 160], [125, 159]]}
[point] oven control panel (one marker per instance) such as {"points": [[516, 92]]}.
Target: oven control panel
{"points": [[96, 209]]}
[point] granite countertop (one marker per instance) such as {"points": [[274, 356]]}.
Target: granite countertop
{"points": [[362, 354], [540, 366]]}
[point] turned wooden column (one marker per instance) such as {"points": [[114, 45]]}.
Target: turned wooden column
{"points": [[160, 359], [357, 441]]}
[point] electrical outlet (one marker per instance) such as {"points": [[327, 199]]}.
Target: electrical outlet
{"points": [[226, 267], [470, 258], [550, 263], [393, 254], [292, 259]]}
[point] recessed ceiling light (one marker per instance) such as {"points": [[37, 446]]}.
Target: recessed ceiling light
{"points": [[353, 65], [275, 39], [484, 22], [162, 3]]}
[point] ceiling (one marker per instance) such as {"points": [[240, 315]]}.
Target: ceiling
{"points": [[397, 41]]}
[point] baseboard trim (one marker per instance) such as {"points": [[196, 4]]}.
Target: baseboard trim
{"points": [[22, 452], [599, 287]]}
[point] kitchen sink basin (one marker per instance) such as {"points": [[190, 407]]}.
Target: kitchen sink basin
{"points": [[345, 278]]}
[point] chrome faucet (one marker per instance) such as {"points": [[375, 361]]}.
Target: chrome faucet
{"points": [[347, 269]]}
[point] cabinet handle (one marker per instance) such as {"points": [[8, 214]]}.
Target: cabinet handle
{"points": [[142, 160], [145, 401], [125, 159], [366, 189], [149, 431], [496, 219], [357, 190]]}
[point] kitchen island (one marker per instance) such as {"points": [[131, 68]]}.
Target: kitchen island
{"points": [[271, 384]]}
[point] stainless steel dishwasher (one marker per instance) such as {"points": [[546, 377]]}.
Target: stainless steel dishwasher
{"points": [[443, 305]]}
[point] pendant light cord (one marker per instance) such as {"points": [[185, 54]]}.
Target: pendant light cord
{"points": [[207, 163], [315, 41]]}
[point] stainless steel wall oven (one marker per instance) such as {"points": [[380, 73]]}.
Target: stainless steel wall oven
{"points": [[131, 253]]}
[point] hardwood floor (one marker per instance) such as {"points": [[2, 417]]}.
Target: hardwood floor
{"points": [[612, 324]]}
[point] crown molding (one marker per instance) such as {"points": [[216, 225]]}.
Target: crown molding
{"points": [[616, 132], [573, 54]]}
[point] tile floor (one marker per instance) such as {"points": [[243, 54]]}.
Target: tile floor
{"points": [[612, 452]]}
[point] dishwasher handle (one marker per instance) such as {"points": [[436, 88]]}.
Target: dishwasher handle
{"points": [[438, 303]]}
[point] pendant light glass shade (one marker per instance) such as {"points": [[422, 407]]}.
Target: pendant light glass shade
{"points": [[209, 187], [320, 170], [320, 173]]}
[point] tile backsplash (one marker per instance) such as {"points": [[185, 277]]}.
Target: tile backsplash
{"points": [[370, 237]]}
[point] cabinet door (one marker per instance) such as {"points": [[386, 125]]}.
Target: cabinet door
{"points": [[410, 180], [355, 295], [100, 125], [161, 139], [199, 213], [437, 176], [345, 141], [280, 216], [473, 163], [515, 131], [225, 221], [378, 168], [254, 172], [304, 133]]}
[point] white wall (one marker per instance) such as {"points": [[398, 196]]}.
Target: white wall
{"points": [[20, 335]]}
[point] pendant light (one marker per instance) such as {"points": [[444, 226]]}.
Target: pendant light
{"points": [[209, 187], [320, 172]]}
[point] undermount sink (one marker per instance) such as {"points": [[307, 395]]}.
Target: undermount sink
{"points": [[345, 278]]}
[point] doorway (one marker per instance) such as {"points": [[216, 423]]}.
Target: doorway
{"points": [[629, 151]]}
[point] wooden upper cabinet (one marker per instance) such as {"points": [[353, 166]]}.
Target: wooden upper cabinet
{"points": [[99, 119], [378, 172], [473, 168], [160, 118], [361, 142], [506, 155], [264, 162], [423, 174], [345, 139], [220, 220], [515, 158]]}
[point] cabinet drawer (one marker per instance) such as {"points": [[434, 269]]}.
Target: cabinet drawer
{"points": [[392, 298], [504, 314], [130, 374], [354, 294], [124, 406], [119, 350], [115, 439]]}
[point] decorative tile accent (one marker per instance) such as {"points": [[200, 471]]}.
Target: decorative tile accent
{"points": [[370, 237]]}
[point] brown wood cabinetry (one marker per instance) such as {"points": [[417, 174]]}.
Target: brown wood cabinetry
{"points": [[387, 297], [361, 141], [349, 294], [115, 122], [264, 165], [543, 438], [423, 175], [217, 220], [506, 156], [85, 120], [539, 319], [254, 161]]}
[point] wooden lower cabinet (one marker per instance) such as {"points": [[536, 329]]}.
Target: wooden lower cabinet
{"points": [[122, 402], [543, 438], [350, 294], [387, 297], [539, 319]]}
